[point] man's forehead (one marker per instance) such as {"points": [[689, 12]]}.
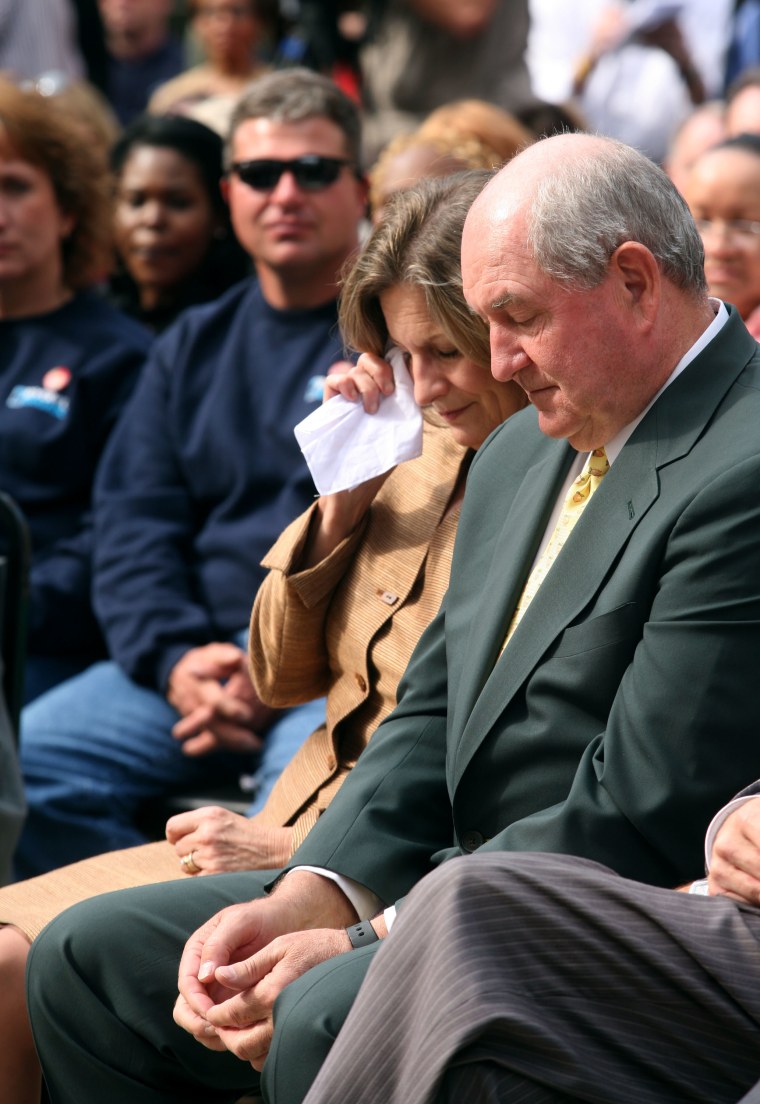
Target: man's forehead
{"points": [[266, 137], [492, 246]]}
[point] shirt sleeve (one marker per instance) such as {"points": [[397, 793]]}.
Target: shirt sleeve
{"points": [[366, 903]]}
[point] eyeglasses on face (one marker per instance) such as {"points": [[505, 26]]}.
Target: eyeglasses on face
{"points": [[312, 172], [741, 228]]}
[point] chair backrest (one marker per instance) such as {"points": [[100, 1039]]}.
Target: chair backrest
{"points": [[14, 597]]}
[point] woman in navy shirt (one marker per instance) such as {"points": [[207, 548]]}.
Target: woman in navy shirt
{"points": [[68, 361]]}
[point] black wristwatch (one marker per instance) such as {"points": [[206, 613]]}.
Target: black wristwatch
{"points": [[362, 934]]}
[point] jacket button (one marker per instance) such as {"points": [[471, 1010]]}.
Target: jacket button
{"points": [[361, 682], [471, 841], [388, 597]]}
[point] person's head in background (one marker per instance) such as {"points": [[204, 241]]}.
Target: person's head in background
{"points": [[410, 158], [55, 206], [171, 224], [135, 28], [723, 193], [703, 128], [405, 288], [230, 33], [496, 129], [743, 104], [84, 104], [468, 134], [294, 184]]}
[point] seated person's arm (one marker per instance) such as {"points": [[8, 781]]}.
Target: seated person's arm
{"points": [[222, 1001], [306, 565]]}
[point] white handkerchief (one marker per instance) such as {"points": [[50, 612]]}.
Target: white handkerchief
{"points": [[344, 446]]}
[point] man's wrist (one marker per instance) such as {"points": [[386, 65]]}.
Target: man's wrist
{"points": [[367, 931], [318, 902], [362, 934]]}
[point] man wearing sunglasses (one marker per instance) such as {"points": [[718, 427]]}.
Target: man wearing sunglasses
{"points": [[202, 476]]}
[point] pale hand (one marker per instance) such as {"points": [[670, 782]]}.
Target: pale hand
{"points": [[212, 689], [243, 1022], [735, 859], [337, 515], [220, 841], [301, 902]]}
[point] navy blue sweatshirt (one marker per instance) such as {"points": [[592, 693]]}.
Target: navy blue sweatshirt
{"points": [[64, 377], [202, 475]]}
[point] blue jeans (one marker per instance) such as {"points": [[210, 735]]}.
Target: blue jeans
{"points": [[97, 746]]}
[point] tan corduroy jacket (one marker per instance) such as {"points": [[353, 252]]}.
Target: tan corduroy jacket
{"points": [[347, 627]]}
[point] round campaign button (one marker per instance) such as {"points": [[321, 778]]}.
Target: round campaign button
{"points": [[57, 379]]}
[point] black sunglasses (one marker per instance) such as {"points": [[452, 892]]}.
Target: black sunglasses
{"points": [[312, 172]]}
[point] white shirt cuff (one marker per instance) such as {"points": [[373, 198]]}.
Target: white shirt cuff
{"points": [[366, 903], [700, 888], [717, 823]]}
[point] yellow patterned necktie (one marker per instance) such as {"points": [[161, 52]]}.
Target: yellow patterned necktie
{"points": [[580, 492]]}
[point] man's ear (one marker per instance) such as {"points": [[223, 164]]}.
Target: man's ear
{"points": [[363, 186], [638, 278], [224, 188]]}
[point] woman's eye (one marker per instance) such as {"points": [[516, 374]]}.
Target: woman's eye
{"points": [[449, 354], [132, 199], [14, 186]]}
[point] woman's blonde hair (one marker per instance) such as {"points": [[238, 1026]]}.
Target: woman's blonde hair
{"points": [[417, 242], [498, 132], [35, 129]]}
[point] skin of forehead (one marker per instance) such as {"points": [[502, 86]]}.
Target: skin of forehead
{"points": [[513, 185], [711, 159], [502, 199]]}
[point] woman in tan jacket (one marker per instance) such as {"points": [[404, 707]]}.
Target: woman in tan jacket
{"points": [[353, 583]]}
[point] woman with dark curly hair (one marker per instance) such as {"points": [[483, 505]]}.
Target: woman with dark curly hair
{"points": [[69, 361]]}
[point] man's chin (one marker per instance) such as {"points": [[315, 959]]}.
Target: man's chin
{"points": [[554, 425]]}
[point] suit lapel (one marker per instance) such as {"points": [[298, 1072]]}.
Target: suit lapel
{"points": [[511, 557]]}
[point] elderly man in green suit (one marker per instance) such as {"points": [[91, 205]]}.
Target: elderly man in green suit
{"points": [[588, 686]]}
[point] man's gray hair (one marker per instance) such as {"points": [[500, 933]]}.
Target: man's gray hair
{"points": [[292, 95], [583, 210]]}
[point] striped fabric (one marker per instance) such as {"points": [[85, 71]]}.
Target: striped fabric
{"points": [[38, 36], [540, 979], [347, 627]]}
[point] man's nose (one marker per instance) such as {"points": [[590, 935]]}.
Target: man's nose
{"points": [[286, 190], [153, 213], [507, 355]]}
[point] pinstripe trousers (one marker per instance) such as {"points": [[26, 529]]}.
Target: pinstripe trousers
{"points": [[545, 979]]}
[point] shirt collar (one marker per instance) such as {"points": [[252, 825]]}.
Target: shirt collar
{"points": [[614, 447]]}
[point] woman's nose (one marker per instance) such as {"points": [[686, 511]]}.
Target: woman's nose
{"points": [[428, 381]]}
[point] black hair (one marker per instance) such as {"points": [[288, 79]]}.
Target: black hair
{"points": [[194, 141], [748, 143]]}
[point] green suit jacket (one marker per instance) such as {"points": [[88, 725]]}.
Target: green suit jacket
{"points": [[625, 709]]}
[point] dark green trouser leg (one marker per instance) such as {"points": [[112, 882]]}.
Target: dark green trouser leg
{"points": [[102, 981], [308, 1016]]}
